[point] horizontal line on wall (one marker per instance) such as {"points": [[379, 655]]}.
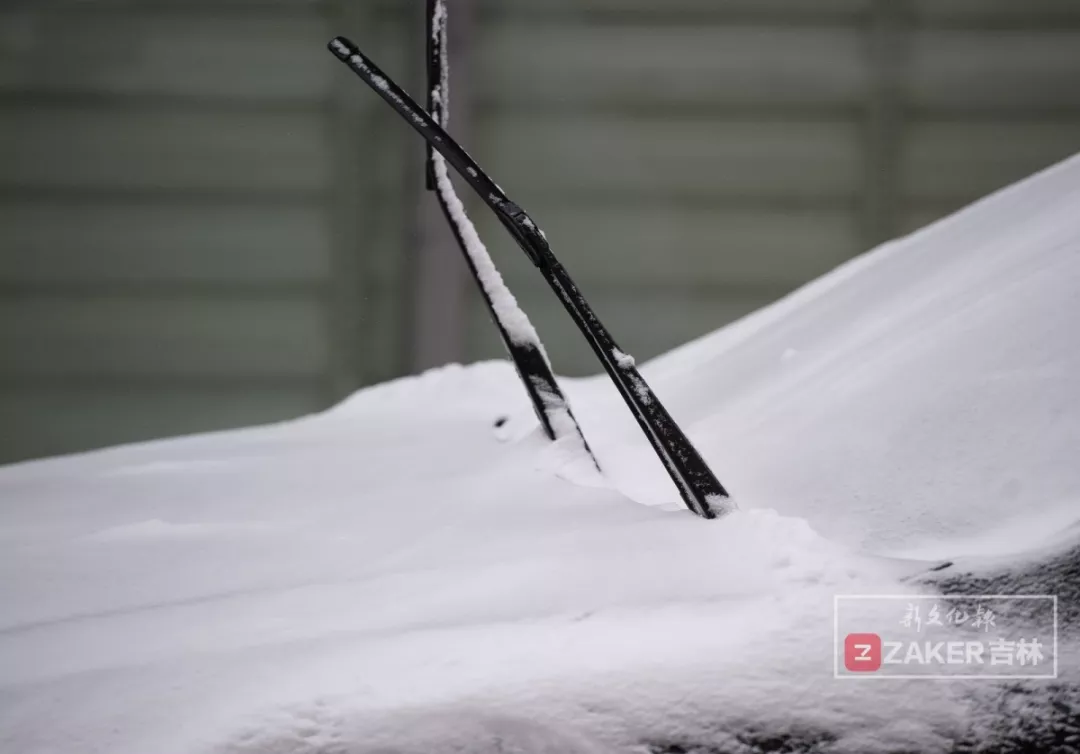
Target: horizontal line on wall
{"points": [[159, 290], [832, 18], [690, 289], [1064, 115], [246, 197], [91, 382], [660, 17], [219, 9], [682, 200], [490, 106], [186, 104], [1046, 21], [375, 10]]}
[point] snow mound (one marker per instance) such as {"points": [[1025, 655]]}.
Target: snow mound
{"points": [[396, 576], [926, 388]]}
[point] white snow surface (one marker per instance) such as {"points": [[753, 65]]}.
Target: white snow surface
{"points": [[389, 576]]}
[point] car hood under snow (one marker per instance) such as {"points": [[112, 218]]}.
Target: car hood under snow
{"points": [[397, 575]]}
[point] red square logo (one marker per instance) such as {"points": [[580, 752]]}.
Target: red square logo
{"points": [[862, 652]]}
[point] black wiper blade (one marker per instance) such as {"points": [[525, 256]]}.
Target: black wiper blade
{"points": [[700, 489], [521, 341]]}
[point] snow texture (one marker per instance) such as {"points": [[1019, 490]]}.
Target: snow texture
{"points": [[512, 318], [438, 25], [441, 91], [624, 360], [358, 63], [516, 322], [389, 577]]}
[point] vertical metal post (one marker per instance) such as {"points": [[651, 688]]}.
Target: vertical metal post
{"points": [[440, 315]]}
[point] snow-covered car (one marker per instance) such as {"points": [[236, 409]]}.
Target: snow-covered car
{"points": [[396, 575]]}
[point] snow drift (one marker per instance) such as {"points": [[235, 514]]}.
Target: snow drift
{"points": [[395, 576]]}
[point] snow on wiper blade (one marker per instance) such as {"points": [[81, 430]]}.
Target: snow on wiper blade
{"points": [[519, 337], [699, 488]]}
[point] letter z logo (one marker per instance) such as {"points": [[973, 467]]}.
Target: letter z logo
{"points": [[862, 652]]}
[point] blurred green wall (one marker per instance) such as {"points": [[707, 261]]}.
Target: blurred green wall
{"points": [[204, 223]]}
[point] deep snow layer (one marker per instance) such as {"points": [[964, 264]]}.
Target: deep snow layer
{"points": [[395, 575]]}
